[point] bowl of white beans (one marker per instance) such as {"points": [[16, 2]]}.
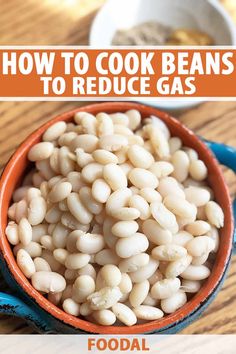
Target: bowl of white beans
{"points": [[115, 218]]}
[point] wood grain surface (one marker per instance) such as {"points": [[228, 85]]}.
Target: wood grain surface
{"points": [[32, 22]]}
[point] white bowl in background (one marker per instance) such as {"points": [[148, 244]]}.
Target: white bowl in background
{"points": [[208, 16]]}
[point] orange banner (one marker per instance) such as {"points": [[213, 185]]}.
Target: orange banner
{"points": [[80, 73]]}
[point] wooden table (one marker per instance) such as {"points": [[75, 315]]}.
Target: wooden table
{"points": [[41, 22]]}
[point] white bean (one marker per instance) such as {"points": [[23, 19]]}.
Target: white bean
{"points": [[164, 217], [159, 142], [48, 257], [36, 211], [92, 171], [87, 142], [133, 263], [125, 284], [104, 157], [88, 270], [175, 144], [122, 155], [165, 288], [92, 205], [114, 176], [198, 228], [174, 269], [138, 202], [122, 130], [198, 196], [161, 169], [126, 214], [66, 138], [155, 233], [104, 298], [104, 124], [20, 193], [78, 210], [149, 301], [192, 154], [157, 276], [130, 246], [85, 309], [139, 293], [134, 117], [89, 124], [11, 213], [113, 142], [12, 233], [40, 151], [200, 245], [140, 157], [170, 186], [53, 215], [48, 282], [90, 243], [144, 272], [83, 158], [109, 238], [54, 161], [182, 238], [33, 248], [41, 265], [124, 314], [107, 256], [25, 263], [200, 260], [71, 307], [214, 214], [142, 178], [66, 164], [169, 252], [174, 302], [190, 286], [59, 192], [47, 243], [214, 235], [76, 260], [198, 170], [180, 206], [180, 162], [104, 317], [148, 313], [150, 195], [111, 275], [38, 231], [33, 193], [125, 228], [83, 287], [59, 235], [194, 272], [54, 131], [60, 255], [117, 200], [70, 222]]}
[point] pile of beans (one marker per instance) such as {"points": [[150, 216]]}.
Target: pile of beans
{"points": [[116, 221]]}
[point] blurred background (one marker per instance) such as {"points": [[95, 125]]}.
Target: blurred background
{"points": [[68, 22]]}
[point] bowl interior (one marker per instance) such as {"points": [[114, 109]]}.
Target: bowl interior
{"points": [[205, 15], [15, 170]]}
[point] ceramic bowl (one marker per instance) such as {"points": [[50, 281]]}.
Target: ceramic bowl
{"points": [[31, 305], [206, 15]]}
